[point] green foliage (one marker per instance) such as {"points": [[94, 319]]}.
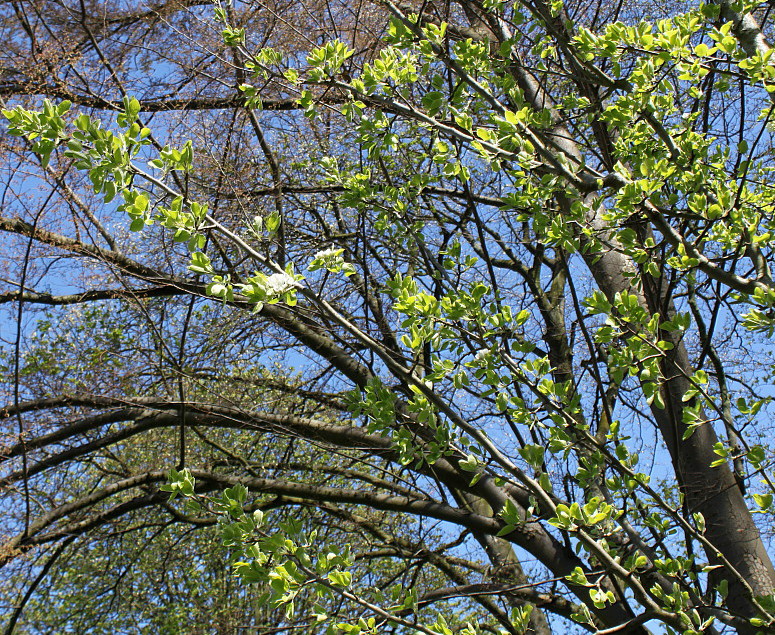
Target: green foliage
{"points": [[507, 392]]}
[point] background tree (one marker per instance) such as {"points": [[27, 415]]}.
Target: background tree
{"points": [[479, 290]]}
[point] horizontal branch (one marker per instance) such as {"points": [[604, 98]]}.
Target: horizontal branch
{"points": [[461, 195], [93, 295], [154, 411], [290, 490], [153, 104], [526, 593]]}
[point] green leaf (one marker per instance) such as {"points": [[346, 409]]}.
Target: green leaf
{"points": [[340, 578], [533, 454]]}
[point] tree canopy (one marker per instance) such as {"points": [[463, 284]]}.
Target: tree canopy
{"points": [[335, 316]]}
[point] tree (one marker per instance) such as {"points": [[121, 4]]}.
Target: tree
{"points": [[434, 281]]}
